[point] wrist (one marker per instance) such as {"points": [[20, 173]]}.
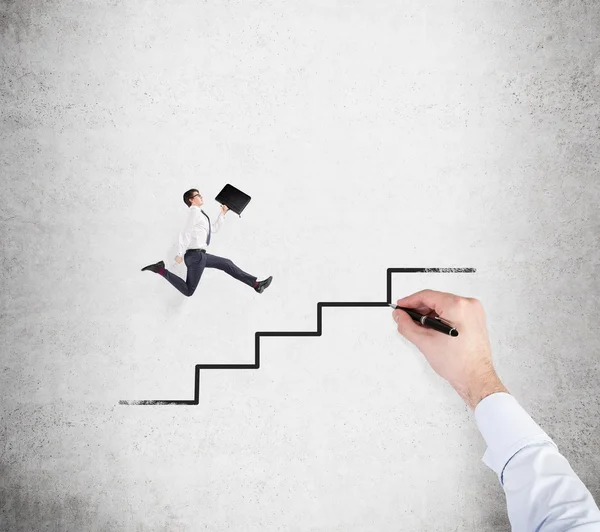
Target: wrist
{"points": [[479, 386]]}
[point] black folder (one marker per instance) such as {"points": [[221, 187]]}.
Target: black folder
{"points": [[234, 198]]}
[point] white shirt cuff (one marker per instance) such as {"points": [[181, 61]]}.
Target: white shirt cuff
{"points": [[506, 428]]}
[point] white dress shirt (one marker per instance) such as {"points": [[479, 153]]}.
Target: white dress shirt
{"points": [[195, 232], [543, 493]]}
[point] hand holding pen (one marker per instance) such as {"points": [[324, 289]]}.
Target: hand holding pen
{"points": [[465, 361], [433, 322]]}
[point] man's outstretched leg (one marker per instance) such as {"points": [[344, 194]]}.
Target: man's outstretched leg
{"points": [[195, 262], [227, 266]]}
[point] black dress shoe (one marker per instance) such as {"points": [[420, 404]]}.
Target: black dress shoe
{"points": [[154, 267], [260, 287]]}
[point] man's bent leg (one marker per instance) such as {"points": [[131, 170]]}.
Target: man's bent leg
{"points": [[227, 266], [195, 262]]}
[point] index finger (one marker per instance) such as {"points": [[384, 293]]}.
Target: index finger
{"points": [[428, 300]]}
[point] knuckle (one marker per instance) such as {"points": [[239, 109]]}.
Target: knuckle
{"points": [[460, 302]]}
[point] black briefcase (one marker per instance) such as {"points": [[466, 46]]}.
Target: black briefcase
{"points": [[234, 198]]}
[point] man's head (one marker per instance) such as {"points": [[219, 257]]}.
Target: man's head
{"points": [[193, 197]]}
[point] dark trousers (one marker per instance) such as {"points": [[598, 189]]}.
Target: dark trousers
{"points": [[196, 261]]}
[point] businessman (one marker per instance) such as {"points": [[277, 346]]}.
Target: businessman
{"points": [[543, 493], [193, 241]]}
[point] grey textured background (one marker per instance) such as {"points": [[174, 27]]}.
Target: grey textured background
{"points": [[370, 135]]}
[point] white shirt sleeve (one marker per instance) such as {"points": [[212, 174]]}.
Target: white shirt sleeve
{"points": [[216, 225], [186, 233], [543, 493]]}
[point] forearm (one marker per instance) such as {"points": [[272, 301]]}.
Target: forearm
{"points": [[183, 243], [478, 386], [218, 222], [185, 236]]}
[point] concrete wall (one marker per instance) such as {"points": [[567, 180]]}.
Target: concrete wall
{"points": [[370, 135]]}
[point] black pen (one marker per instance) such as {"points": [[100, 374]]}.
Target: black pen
{"points": [[435, 323]]}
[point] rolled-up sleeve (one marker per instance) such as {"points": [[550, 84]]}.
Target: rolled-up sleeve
{"points": [[186, 233], [216, 225], [543, 493]]}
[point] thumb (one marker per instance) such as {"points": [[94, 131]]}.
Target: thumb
{"points": [[409, 328]]}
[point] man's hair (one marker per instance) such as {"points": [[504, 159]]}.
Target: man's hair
{"points": [[188, 196]]}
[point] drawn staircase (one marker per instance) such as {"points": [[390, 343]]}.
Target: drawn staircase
{"points": [[260, 334]]}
